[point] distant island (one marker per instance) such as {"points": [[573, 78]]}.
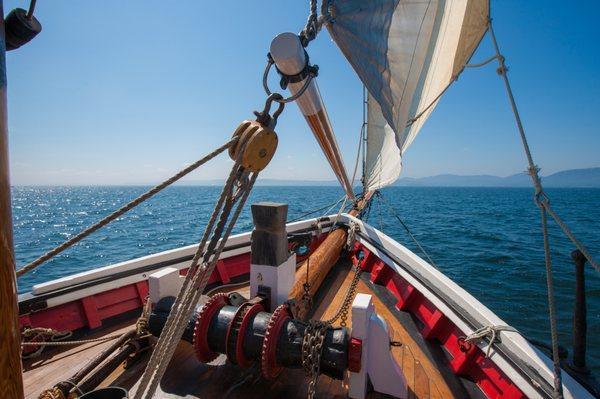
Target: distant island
{"points": [[589, 177], [584, 178]]}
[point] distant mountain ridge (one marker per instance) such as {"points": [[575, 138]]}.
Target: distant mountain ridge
{"points": [[589, 177]]}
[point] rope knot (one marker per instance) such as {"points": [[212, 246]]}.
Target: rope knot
{"points": [[541, 199], [312, 27], [479, 334], [352, 229]]}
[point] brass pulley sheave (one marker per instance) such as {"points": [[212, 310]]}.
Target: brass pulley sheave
{"points": [[258, 143]]}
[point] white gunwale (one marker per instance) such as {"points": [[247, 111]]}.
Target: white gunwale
{"points": [[465, 311], [427, 279], [241, 242]]}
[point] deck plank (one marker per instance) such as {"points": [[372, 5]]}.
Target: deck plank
{"points": [[430, 374], [188, 378], [422, 382], [408, 368]]}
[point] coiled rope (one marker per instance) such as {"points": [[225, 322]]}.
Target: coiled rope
{"points": [[124, 209]]}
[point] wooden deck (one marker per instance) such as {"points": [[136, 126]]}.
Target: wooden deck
{"points": [[188, 378]]}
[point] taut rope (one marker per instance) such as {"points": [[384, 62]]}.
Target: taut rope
{"points": [[119, 212], [235, 192]]}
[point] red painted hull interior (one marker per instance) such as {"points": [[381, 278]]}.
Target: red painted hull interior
{"points": [[469, 362], [90, 311]]}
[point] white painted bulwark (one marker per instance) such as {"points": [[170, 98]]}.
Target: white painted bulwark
{"points": [[408, 265], [377, 362], [239, 242], [163, 283], [280, 279]]}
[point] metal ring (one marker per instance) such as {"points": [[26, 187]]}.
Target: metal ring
{"points": [[294, 97]]}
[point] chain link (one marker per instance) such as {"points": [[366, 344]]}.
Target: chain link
{"points": [[314, 336], [312, 347], [306, 297], [342, 312]]}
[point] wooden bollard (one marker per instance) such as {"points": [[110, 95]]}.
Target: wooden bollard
{"points": [[272, 267]]}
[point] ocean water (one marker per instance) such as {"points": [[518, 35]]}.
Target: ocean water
{"points": [[488, 240]]}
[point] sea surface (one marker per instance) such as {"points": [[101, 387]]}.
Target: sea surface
{"points": [[488, 240]]}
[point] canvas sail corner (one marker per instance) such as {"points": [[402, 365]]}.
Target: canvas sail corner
{"points": [[407, 54]]}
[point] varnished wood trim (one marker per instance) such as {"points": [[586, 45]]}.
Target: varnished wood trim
{"points": [[11, 379]]}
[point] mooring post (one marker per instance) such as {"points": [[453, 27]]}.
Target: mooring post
{"points": [[272, 268], [579, 313]]}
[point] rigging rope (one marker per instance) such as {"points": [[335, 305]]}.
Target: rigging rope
{"points": [[356, 162], [312, 27], [363, 133], [76, 342], [542, 201], [410, 122], [558, 391], [411, 235], [482, 63], [542, 198], [234, 195], [119, 212], [329, 207]]}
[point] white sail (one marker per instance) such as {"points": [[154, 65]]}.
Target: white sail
{"points": [[383, 162], [407, 53]]}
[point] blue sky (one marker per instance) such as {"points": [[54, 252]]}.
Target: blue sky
{"points": [[118, 92]]}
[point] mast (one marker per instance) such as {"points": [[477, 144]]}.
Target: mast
{"points": [[11, 377]]}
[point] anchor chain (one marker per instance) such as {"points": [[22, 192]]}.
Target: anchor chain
{"points": [[312, 348], [314, 335]]}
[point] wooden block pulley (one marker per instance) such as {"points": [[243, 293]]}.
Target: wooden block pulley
{"points": [[258, 144]]}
